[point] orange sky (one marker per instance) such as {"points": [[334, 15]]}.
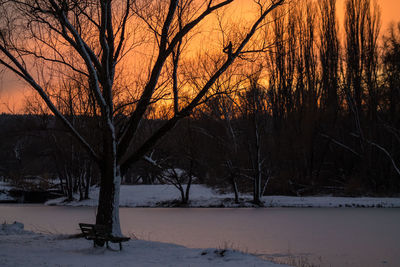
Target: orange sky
{"points": [[12, 91], [390, 11]]}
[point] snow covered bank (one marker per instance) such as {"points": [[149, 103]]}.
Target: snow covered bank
{"points": [[4, 196], [152, 196], [328, 201], [202, 196], [23, 248]]}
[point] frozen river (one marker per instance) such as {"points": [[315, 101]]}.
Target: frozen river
{"points": [[323, 236]]}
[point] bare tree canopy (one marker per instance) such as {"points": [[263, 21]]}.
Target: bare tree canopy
{"points": [[58, 39]]}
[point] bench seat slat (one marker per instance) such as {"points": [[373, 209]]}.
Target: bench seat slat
{"points": [[97, 232]]}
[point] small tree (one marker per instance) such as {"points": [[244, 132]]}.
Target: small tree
{"points": [[253, 106]]}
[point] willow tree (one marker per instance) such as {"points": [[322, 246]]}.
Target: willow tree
{"points": [[90, 38]]}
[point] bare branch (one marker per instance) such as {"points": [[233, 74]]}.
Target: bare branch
{"points": [[341, 144]]}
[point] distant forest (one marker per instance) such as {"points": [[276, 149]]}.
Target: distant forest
{"points": [[316, 112]]}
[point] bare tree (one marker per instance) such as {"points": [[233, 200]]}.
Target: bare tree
{"points": [[362, 27], [329, 57], [99, 33], [181, 179], [391, 62], [254, 109], [355, 43]]}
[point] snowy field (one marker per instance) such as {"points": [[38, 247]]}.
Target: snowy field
{"points": [[22, 248], [202, 196]]}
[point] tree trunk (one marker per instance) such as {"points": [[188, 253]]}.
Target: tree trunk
{"points": [[80, 186], [70, 193], [235, 188], [108, 208], [183, 199], [88, 179], [188, 187], [257, 163]]}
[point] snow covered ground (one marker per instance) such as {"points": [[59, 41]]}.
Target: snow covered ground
{"points": [[4, 188], [202, 196], [22, 248], [5, 197]]}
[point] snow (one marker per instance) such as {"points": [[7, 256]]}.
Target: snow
{"points": [[328, 201], [23, 248], [5, 197], [202, 196], [150, 196], [12, 229], [116, 227], [4, 188], [172, 172]]}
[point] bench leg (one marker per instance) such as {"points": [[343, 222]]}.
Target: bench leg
{"points": [[120, 246], [107, 245]]}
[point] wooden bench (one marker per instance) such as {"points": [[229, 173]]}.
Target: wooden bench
{"points": [[100, 235]]}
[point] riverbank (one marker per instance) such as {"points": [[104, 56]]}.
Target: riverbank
{"points": [[326, 237], [205, 197], [23, 248]]}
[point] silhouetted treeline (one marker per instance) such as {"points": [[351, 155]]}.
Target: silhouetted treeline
{"points": [[37, 154], [319, 113]]}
